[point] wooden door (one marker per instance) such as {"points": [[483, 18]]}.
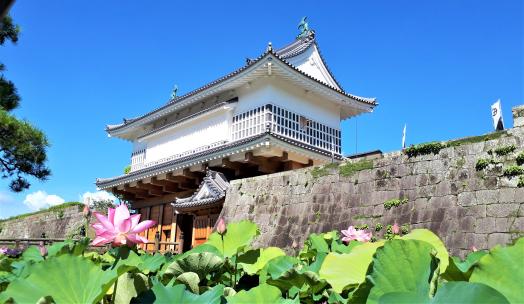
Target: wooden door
{"points": [[203, 227]]}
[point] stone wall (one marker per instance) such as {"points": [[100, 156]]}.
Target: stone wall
{"points": [[55, 224], [444, 193]]}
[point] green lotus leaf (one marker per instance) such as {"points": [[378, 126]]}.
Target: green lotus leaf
{"points": [[263, 293], [151, 263], [503, 270], [341, 270], [228, 291], [467, 293], [32, 253], [200, 263], [295, 278], [318, 242], [190, 279], [130, 285], [317, 263], [179, 294], [449, 292], [277, 266], [429, 237], [459, 270], [66, 278], [237, 237], [262, 258], [402, 266]]}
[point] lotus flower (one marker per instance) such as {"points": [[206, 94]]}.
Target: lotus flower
{"points": [[353, 234], [474, 249], [3, 250], [119, 227], [221, 226], [395, 228]]}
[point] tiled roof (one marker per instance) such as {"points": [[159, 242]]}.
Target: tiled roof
{"points": [[142, 173], [291, 50], [211, 190]]}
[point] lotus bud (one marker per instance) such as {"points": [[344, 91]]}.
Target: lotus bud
{"points": [[42, 249], [86, 211], [474, 249], [294, 245], [221, 226], [395, 228]]}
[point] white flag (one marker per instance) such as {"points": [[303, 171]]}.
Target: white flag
{"points": [[404, 137], [496, 113]]}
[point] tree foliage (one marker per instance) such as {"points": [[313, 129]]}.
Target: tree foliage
{"points": [[22, 146]]}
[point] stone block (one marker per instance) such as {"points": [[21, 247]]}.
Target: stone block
{"points": [[487, 197], [503, 210], [498, 239], [467, 199], [485, 225]]}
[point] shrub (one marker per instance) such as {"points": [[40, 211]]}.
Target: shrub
{"points": [[424, 149], [501, 151], [520, 159], [378, 227], [513, 171], [482, 163], [394, 203], [520, 184], [127, 169]]}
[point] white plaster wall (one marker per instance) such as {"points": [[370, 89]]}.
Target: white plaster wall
{"points": [[202, 131], [311, 63], [279, 92]]}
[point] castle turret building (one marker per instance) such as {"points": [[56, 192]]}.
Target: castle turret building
{"points": [[280, 111]]}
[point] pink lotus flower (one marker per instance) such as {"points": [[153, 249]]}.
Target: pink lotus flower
{"points": [[221, 226], [395, 228], [119, 227], [354, 234]]}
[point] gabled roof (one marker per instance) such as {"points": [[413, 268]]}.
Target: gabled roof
{"points": [[294, 49], [211, 190]]}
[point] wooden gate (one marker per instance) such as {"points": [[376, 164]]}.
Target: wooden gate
{"points": [[202, 228]]}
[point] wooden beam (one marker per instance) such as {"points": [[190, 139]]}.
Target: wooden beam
{"points": [[264, 165], [142, 185], [182, 181], [138, 192], [167, 186], [197, 175]]}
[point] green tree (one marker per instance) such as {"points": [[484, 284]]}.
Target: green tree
{"points": [[22, 146]]}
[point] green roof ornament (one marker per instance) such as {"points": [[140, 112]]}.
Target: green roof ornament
{"points": [[303, 26], [174, 92]]}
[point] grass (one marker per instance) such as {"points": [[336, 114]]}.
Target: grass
{"points": [[58, 208], [323, 170], [348, 169], [476, 139]]}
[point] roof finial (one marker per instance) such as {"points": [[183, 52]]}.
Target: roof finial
{"points": [[303, 26], [174, 92], [269, 46]]}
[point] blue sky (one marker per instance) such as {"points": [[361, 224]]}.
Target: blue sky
{"points": [[435, 65]]}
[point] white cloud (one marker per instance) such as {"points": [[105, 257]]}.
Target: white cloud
{"points": [[40, 199], [91, 197]]}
